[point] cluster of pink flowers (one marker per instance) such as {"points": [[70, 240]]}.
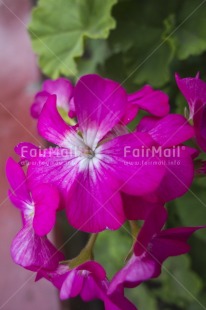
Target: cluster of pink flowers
{"points": [[103, 175]]}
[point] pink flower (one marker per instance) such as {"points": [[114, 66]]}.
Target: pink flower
{"points": [[152, 248], [62, 88], [88, 168], [169, 133], [89, 281], [153, 101], [194, 90], [31, 248]]}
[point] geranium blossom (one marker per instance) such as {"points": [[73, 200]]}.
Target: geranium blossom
{"points": [[62, 88], [31, 248], [153, 246], [89, 281], [88, 167], [194, 90]]}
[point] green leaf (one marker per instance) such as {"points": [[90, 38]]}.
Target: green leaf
{"points": [[191, 34], [200, 304], [179, 284], [149, 60], [111, 249], [58, 29], [142, 297], [191, 207], [143, 40], [96, 52], [198, 255]]}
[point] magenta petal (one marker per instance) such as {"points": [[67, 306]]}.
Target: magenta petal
{"points": [[52, 127], [172, 242], [62, 88], [58, 166], [33, 252], [39, 101], [155, 102], [72, 285], [139, 207], [193, 89], [179, 176], [46, 200], [91, 289], [171, 130], [132, 162], [135, 272], [95, 202], [95, 268], [200, 124], [100, 104], [117, 301], [153, 225], [130, 114], [17, 179]]}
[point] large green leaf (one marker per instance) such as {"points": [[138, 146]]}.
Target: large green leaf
{"points": [[191, 29], [143, 40], [191, 207], [178, 284], [58, 29]]}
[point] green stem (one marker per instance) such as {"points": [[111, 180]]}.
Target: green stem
{"points": [[134, 229], [134, 232], [85, 254]]}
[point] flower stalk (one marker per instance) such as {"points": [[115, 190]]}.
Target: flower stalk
{"points": [[85, 255]]}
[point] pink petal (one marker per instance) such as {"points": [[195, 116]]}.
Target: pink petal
{"points": [[90, 289], [135, 272], [193, 89], [17, 180], [130, 114], [58, 166], [62, 88], [179, 176], [72, 286], [95, 268], [200, 124], [131, 161], [100, 104], [171, 130], [138, 208], [172, 242], [37, 105], [152, 226], [52, 127], [95, 203], [155, 102], [34, 252], [46, 200], [117, 301]]}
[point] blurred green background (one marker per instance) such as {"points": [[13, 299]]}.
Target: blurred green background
{"points": [[135, 42]]}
